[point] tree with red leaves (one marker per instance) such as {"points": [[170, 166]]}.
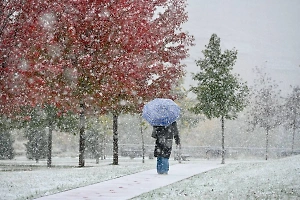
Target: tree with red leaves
{"points": [[103, 56], [23, 84]]}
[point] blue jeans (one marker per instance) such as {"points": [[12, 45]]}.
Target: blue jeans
{"points": [[162, 165]]}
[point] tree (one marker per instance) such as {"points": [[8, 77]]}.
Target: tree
{"points": [[6, 146], [6, 140], [36, 146], [265, 105], [20, 83], [143, 127], [14, 81], [93, 143], [35, 132], [97, 131], [291, 110], [219, 92], [153, 71]]}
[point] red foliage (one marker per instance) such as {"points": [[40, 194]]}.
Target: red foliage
{"points": [[113, 56]]}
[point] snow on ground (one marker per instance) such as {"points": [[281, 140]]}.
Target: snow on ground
{"points": [[274, 179], [238, 179], [23, 179]]}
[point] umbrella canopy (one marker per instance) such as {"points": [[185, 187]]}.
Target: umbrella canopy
{"points": [[161, 112]]}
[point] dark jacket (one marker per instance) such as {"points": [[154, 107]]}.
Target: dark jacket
{"points": [[164, 139]]}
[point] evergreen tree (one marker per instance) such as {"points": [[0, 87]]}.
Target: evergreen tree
{"points": [[220, 93], [46, 119], [96, 136], [37, 145], [94, 143], [6, 146], [6, 140]]}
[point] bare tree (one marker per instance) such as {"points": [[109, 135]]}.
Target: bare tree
{"points": [[265, 109], [291, 112]]}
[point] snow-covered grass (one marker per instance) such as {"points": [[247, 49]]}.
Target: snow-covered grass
{"points": [[238, 179], [23, 179], [274, 179]]}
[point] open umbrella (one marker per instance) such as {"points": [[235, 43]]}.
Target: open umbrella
{"points": [[161, 112]]}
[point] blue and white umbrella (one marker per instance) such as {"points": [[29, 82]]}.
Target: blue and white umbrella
{"points": [[161, 112]]}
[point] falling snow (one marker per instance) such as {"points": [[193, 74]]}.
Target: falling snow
{"points": [[81, 71]]}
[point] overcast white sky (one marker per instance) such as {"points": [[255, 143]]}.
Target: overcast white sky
{"points": [[265, 33]]}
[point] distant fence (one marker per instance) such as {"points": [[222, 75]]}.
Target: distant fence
{"points": [[207, 152]]}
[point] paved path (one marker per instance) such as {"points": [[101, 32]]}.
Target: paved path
{"points": [[130, 186]]}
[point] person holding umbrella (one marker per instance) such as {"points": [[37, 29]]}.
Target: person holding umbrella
{"points": [[163, 145], [162, 115]]}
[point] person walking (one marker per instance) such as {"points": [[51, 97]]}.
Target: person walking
{"points": [[163, 145]]}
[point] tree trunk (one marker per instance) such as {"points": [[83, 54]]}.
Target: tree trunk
{"points": [[81, 135], [103, 147], [294, 131], [267, 143], [223, 141], [143, 142], [49, 154], [115, 140]]}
